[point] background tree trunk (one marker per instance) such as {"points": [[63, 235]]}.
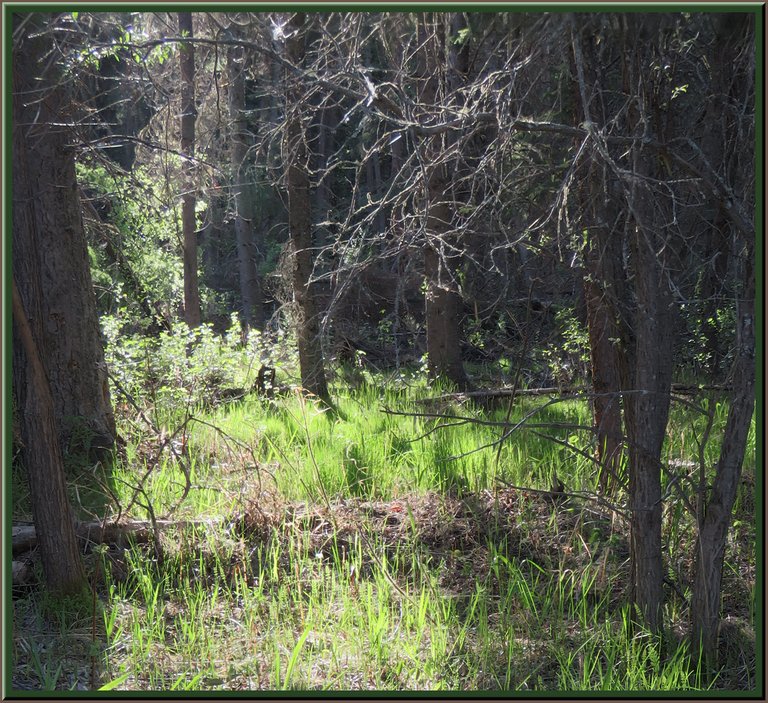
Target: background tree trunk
{"points": [[605, 349], [443, 302], [247, 249], [50, 256], [603, 278], [296, 153], [188, 219]]}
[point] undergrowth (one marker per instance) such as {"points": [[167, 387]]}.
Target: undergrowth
{"points": [[372, 546]]}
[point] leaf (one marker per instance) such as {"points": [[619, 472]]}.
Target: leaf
{"points": [[462, 36], [115, 682], [295, 657]]}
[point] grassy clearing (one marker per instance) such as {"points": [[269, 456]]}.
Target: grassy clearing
{"points": [[354, 551]]}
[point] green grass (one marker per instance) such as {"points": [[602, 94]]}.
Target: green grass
{"points": [[356, 551]]}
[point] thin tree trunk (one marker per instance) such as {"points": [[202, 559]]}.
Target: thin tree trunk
{"points": [[247, 250], [647, 411], [602, 276], [733, 84], [188, 226], [54, 525], [443, 302], [714, 524], [311, 361], [652, 248]]}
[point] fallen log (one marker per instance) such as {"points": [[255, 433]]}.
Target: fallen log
{"points": [[24, 537], [503, 393], [679, 388]]}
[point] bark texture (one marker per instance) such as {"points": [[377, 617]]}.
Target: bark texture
{"points": [[50, 256], [603, 278], [54, 526], [651, 245], [733, 88]]}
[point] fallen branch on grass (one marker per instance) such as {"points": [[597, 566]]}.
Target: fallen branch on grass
{"points": [[679, 388], [24, 537]]}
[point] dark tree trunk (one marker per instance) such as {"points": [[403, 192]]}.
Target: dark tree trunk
{"points": [[733, 86], [443, 314], [647, 412], [716, 520], [603, 279], [647, 403], [443, 301], [247, 249], [188, 220], [296, 154], [54, 525], [606, 354], [50, 256], [651, 247], [59, 374]]}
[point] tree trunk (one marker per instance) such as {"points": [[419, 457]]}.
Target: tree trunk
{"points": [[714, 524], [188, 226], [606, 356], [54, 525], [651, 247], [603, 279], [247, 249], [296, 154], [443, 302], [733, 84], [647, 404], [50, 256]]}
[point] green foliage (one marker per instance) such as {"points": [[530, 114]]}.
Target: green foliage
{"points": [[568, 357], [443, 595], [183, 368], [144, 230]]}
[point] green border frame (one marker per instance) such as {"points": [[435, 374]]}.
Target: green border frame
{"points": [[757, 8]]}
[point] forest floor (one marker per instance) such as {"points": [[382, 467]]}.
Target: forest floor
{"points": [[368, 579]]}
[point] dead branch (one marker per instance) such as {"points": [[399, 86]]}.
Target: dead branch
{"points": [[24, 537]]}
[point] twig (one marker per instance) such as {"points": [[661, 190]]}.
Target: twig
{"points": [[593, 497]]}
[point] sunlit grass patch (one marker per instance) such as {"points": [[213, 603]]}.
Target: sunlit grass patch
{"points": [[372, 547]]}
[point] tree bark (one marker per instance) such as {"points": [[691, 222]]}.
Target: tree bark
{"points": [[247, 248], [50, 256], [716, 520], [603, 278], [296, 154], [54, 525], [647, 411], [606, 359], [443, 310], [188, 224], [733, 87], [651, 247]]}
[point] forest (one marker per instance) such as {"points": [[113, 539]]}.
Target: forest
{"points": [[383, 351]]}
